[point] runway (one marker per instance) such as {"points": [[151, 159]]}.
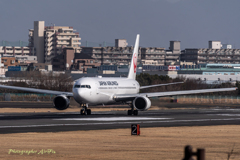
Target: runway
{"points": [[56, 122]]}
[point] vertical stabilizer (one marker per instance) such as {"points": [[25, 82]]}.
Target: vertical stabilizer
{"points": [[133, 66]]}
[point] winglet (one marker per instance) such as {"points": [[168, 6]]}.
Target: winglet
{"points": [[133, 66]]}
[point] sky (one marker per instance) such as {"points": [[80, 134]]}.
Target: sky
{"points": [[193, 22]]}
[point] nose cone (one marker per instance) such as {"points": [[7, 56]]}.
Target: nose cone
{"points": [[82, 90], [80, 95]]}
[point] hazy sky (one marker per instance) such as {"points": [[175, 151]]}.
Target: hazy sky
{"points": [[193, 22]]}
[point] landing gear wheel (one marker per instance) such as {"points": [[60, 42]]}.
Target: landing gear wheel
{"points": [[88, 111], [129, 112], [82, 112], [135, 112]]}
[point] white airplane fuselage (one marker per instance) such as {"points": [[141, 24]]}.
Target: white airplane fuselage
{"points": [[101, 90]]}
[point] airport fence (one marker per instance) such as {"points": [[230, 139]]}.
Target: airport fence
{"points": [[196, 99], [26, 97]]}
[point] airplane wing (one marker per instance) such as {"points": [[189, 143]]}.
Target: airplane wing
{"points": [[122, 97], [156, 85], [37, 90]]}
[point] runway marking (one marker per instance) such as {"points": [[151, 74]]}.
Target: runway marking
{"points": [[224, 114], [226, 109], [112, 119], [110, 123]]}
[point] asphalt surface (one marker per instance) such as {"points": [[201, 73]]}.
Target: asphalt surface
{"points": [[56, 122], [6, 104]]}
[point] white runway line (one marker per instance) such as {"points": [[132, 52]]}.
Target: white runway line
{"points": [[111, 119], [226, 109], [225, 114], [113, 123]]}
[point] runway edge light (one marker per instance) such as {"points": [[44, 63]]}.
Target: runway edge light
{"points": [[135, 129]]}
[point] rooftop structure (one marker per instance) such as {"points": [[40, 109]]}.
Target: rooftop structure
{"points": [[214, 45], [121, 43]]}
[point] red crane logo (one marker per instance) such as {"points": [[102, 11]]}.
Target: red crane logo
{"points": [[135, 62]]}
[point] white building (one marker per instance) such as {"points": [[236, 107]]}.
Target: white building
{"points": [[48, 41], [226, 46], [214, 45]]}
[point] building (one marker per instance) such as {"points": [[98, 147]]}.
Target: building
{"points": [[122, 54], [172, 56], [37, 67], [2, 69], [110, 55], [153, 55], [82, 62], [214, 45], [64, 61], [70, 60], [14, 51], [211, 69], [26, 59], [8, 61], [226, 46], [206, 55], [47, 42], [121, 43]]}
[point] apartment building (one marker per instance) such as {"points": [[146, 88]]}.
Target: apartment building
{"points": [[15, 55], [122, 54], [153, 56], [63, 61], [110, 55], [206, 55], [172, 56], [47, 42], [214, 54], [83, 61], [14, 50]]}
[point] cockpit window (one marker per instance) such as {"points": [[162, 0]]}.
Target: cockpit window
{"points": [[77, 86], [82, 86]]}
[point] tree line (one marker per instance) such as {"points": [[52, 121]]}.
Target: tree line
{"points": [[145, 79]]}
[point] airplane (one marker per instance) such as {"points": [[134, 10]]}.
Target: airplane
{"points": [[99, 90]]}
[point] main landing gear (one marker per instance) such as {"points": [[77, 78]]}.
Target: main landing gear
{"points": [[84, 110], [132, 111]]}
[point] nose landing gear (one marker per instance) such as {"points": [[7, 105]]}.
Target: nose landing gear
{"points": [[84, 110], [132, 111]]}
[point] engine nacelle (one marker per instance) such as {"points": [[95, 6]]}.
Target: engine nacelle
{"points": [[61, 102], [141, 103]]}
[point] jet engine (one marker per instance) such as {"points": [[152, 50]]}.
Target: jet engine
{"points": [[141, 103], [61, 102]]}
